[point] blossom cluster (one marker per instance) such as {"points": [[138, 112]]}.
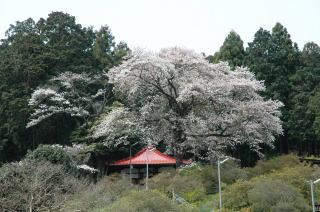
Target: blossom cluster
{"points": [[87, 168], [178, 97], [64, 95]]}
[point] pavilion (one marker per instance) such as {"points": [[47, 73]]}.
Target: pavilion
{"points": [[156, 161]]}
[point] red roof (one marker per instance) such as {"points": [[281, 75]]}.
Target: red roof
{"points": [[152, 157]]}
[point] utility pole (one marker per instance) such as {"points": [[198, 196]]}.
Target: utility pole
{"points": [[312, 196], [130, 172], [130, 165], [147, 175], [149, 149], [312, 191], [219, 179]]}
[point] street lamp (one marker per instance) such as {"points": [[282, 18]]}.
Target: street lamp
{"points": [[219, 163], [312, 195], [149, 149], [131, 145]]}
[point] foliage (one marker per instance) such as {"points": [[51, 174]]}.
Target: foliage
{"points": [[281, 186], [284, 173], [53, 154], [32, 185], [168, 182], [31, 54], [313, 108], [70, 93], [273, 164], [106, 50], [274, 58], [201, 181], [284, 207], [116, 127], [303, 115], [74, 158], [272, 195], [114, 193], [146, 201], [230, 173], [231, 51], [236, 196], [98, 196]]}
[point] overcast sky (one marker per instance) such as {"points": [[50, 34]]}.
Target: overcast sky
{"points": [[201, 25]]}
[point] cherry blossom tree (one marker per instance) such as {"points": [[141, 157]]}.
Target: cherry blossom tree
{"points": [[178, 97], [68, 93]]}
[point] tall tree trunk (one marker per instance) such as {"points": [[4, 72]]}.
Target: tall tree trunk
{"points": [[179, 139]]}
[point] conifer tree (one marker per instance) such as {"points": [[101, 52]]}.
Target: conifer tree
{"points": [[273, 57], [231, 51]]}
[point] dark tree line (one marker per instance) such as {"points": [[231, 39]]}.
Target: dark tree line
{"points": [[290, 75]]}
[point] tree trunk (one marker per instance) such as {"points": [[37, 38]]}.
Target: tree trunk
{"points": [[179, 139], [179, 158]]}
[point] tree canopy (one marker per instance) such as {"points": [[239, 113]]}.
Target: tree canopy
{"points": [[176, 96], [231, 51], [53, 79], [33, 53]]}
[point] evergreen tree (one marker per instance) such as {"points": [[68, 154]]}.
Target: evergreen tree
{"points": [[303, 115], [106, 50], [231, 51], [273, 57]]}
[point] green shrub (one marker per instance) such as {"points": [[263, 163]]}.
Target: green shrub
{"points": [[284, 207], [266, 194], [97, 196], [52, 153], [207, 204], [207, 174], [189, 186], [276, 163], [297, 176], [235, 196], [146, 201], [231, 172], [247, 209]]}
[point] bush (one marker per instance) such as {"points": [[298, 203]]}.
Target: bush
{"points": [[98, 196], [189, 186], [235, 196], [35, 186], [267, 194], [297, 176], [231, 172], [284, 207], [276, 163], [146, 201], [207, 174], [52, 153]]}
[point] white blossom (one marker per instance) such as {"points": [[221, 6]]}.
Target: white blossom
{"points": [[75, 149], [178, 97], [87, 168], [64, 96], [115, 126], [189, 165], [68, 78]]}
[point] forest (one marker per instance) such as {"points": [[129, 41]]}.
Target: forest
{"points": [[72, 98]]}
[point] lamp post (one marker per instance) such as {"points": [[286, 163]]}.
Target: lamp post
{"points": [[131, 145], [219, 163], [312, 190], [149, 149]]}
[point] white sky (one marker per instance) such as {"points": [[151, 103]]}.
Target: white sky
{"points": [[201, 25]]}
